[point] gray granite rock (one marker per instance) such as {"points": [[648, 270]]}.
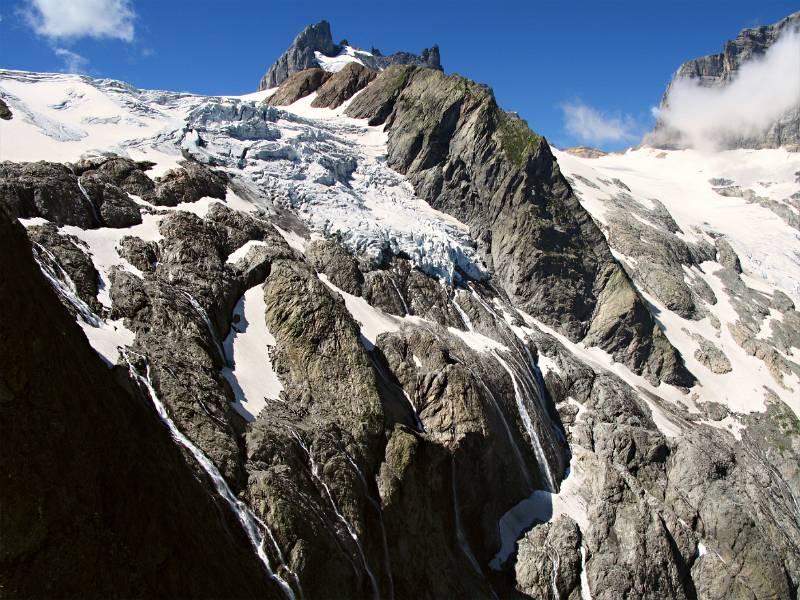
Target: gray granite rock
{"points": [[317, 38], [718, 70], [470, 159], [298, 85], [342, 85]]}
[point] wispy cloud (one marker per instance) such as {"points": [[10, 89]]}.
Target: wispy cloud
{"points": [[591, 126], [72, 19], [73, 62], [764, 89]]}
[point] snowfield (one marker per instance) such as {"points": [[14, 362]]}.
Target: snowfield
{"points": [[331, 171]]}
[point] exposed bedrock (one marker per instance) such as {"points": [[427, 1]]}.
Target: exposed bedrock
{"points": [[98, 500], [342, 85], [484, 166]]}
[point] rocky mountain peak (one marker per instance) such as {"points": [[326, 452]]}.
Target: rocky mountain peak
{"points": [[720, 71], [314, 48]]}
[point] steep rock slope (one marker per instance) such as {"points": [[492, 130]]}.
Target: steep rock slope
{"points": [[400, 424], [468, 158], [719, 70], [107, 506], [314, 48]]}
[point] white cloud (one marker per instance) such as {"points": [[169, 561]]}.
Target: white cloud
{"points": [[70, 19], [591, 126], [73, 62], [765, 89]]}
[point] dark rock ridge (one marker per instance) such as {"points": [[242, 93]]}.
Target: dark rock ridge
{"points": [[5, 112], [317, 38], [95, 192], [98, 501], [468, 158], [351, 79], [298, 85], [717, 71]]}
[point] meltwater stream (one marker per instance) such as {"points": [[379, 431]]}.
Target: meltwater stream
{"points": [[350, 529], [249, 521], [211, 331]]}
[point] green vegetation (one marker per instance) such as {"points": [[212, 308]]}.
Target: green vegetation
{"points": [[516, 138]]}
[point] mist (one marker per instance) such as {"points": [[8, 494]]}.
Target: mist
{"points": [[764, 90]]}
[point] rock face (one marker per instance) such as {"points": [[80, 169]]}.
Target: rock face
{"points": [[5, 112], [718, 70], [351, 79], [408, 405], [470, 159], [317, 38], [298, 85], [121, 502]]}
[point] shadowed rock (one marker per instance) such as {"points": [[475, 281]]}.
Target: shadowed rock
{"points": [[341, 87], [298, 86]]}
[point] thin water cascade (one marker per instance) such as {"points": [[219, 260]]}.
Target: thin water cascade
{"points": [[212, 332], [403, 300], [460, 536], [249, 521], [523, 467], [63, 284], [462, 314], [377, 507], [541, 457], [586, 593], [315, 472], [554, 583], [90, 201]]}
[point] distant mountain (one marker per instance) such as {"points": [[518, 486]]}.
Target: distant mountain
{"points": [[719, 71], [314, 47]]}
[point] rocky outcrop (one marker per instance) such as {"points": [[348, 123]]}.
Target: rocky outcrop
{"points": [[187, 184], [549, 561], [5, 112], [47, 190], [585, 152], [718, 70], [299, 85], [70, 254], [98, 500], [342, 85], [301, 55], [470, 159]]}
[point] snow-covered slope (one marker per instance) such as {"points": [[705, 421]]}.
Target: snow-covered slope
{"points": [[327, 167], [750, 199], [395, 330]]}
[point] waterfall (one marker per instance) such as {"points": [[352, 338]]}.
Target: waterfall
{"points": [[315, 472], [523, 467], [403, 300], [63, 284], [90, 201], [554, 583], [541, 457], [463, 315], [460, 536], [586, 593], [377, 508], [249, 521], [212, 332]]}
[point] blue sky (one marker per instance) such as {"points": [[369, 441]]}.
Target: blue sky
{"points": [[579, 72]]}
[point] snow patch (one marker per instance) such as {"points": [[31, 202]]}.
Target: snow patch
{"points": [[248, 350]]}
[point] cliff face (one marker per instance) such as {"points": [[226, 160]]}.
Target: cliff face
{"points": [[719, 70], [316, 38], [98, 500], [468, 158]]}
